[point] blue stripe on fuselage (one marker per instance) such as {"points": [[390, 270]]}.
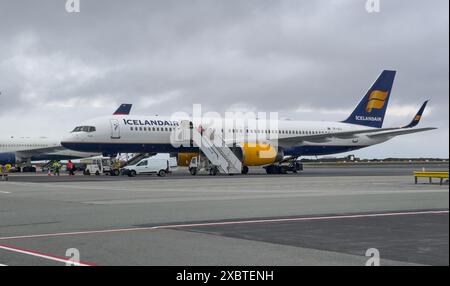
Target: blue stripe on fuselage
{"points": [[10, 158], [319, 150], [7, 158], [113, 148]]}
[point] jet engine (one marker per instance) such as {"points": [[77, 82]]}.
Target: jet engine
{"points": [[258, 154]]}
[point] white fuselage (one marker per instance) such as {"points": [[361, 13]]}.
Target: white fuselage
{"points": [[132, 134], [23, 149]]}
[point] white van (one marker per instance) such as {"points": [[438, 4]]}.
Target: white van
{"points": [[161, 167]]}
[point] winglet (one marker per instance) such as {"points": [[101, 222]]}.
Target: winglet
{"points": [[418, 116], [124, 109]]}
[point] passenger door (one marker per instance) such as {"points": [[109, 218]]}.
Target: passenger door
{"points": [[115, 129]]}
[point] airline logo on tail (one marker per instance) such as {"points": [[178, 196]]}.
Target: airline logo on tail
{"points": [[371, 109], [377, 99]]}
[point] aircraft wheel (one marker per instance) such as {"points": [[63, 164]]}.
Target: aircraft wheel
{"points": [[274, 169], [30, 169], [213, 171]]}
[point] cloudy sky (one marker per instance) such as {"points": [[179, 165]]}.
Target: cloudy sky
{"points": [[308, 60]]}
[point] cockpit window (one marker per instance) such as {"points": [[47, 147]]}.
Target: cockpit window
{"points": [[84, 129]]}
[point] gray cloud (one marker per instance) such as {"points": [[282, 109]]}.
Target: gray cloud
{"points": [[306, 59]]}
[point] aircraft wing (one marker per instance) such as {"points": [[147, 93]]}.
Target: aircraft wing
{"points": [[326, 137], [320, 138], [400, 132], [34, 152]]}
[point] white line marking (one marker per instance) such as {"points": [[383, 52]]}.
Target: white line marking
{"points": [[223, 223], [3, 265], [42, 255], [242, 196], [3, 192]]}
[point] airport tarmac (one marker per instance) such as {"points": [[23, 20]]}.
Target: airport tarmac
{"points": [[323, 216]]}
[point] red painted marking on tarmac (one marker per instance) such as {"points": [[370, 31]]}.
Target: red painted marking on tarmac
{"points": [[176, 226]]}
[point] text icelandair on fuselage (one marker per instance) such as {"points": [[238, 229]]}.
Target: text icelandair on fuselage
{"points": [[150, 122], [367, 118]]}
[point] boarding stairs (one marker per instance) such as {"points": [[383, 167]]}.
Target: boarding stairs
{"points": [[214, 148]]}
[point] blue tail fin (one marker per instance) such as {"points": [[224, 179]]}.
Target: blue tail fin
{"points": [[372, 108], [124, 109]]}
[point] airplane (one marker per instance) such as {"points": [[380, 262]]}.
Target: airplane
{"points": [[23, 150], [285, 139]]}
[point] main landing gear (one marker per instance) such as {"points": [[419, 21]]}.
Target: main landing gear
{"points": [[292, 166]]}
